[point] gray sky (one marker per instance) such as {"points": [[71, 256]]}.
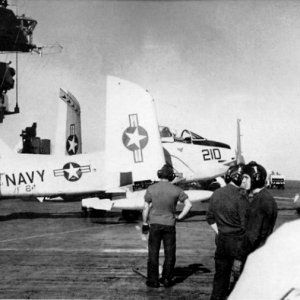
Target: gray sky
{"points": [[206, 63]]}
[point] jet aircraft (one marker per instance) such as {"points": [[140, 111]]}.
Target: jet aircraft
{"points": [[115, 178]]}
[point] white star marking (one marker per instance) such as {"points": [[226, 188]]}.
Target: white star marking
{"points": [[72, 172], [72, 145], [135, 138]]}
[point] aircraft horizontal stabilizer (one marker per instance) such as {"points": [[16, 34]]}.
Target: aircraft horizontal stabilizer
{"points": [[133, 200], [198, 195], [96, 203]]}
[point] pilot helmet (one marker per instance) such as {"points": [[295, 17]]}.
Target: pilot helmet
{"points": [[257, 173], [234, 174], [166, 172]]}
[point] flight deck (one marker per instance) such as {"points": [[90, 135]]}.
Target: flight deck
{"points": [[48, 250]]}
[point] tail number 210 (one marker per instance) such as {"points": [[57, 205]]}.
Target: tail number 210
{"points": [[210, 154]]}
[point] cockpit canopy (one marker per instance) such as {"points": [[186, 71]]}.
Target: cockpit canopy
{"points": [[188, 137]]}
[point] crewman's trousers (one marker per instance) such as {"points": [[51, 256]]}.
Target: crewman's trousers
{"points": [[167, 234], [228, 249]]}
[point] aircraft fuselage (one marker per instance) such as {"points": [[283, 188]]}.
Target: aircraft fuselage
{"points": [[43, 175], [193, 157]]}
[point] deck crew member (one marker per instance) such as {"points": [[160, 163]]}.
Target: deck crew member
{"points": [[227, 215], [159, 211], [263, 208]]}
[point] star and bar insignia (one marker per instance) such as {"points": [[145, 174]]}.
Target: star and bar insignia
{"points": [[72, 171], [135, 138]]}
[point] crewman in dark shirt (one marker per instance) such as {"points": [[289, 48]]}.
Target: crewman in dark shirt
{"points": [[227, 215], [159, 211], [263, 208]]}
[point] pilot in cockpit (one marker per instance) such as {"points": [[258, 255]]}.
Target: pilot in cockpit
{"points": [[165, 132]]}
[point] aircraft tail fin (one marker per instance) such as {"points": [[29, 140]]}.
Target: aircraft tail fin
{"points": [[239, 157], [133, 147], [68, 139]]}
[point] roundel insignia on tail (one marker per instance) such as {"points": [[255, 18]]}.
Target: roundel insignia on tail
{"points": [[72, 144], [135, 138]]}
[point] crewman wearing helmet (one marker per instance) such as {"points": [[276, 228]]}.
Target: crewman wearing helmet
{"points": [[159, 211], [263, 207], [227, 215]]}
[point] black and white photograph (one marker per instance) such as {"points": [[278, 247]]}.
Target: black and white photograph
{"points": [[150, 149]]}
